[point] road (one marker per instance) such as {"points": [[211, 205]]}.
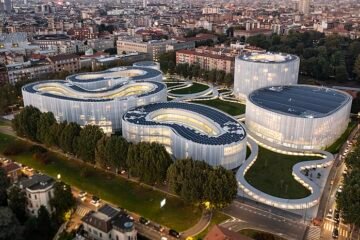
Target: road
{"points": [[246, 216]]}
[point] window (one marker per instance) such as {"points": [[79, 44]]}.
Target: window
{"points": [[117, 238], [35, 196]]}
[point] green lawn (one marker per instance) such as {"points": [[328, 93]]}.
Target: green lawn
{"points": [[254, 234], [217, 218], [335, 147], [134, 197], [195, 88], [4, 122], [272, 174], [231, 108], [5, 140]]}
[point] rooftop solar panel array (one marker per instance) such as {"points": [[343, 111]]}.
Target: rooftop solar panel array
{"points": [[233, 130], [300, 101]]}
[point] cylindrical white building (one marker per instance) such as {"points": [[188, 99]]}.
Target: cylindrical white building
{"points": [[301, 117], [189, 130], [148, 64], [257, 70], [96, 98]]}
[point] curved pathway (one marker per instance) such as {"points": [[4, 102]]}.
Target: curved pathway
{"points": [[307, 202]]}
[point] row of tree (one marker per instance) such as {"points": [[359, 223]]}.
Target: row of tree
{"points": [[16, 223], [194, 181], [348, 200], [197, 182], [322, 57], [147, 161]]}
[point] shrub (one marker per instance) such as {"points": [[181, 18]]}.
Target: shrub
{"points": [[14, 148], [37, 149], [43, 158], [85, 172]]}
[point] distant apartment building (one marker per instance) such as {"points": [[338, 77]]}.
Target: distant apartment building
{"points": [[252, 32], [65, 62], [50, 41], [101, 44], [153, 48], [207, 61], [28, 70], [39, 190], [109, 223], [116, 60], [83, 33]]}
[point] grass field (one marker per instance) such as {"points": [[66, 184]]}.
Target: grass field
{"points": [[217, 218], [132, 196], [255, 234], [272, 174], [195, 88], [172, 84], [231, 108], [335, 147]]}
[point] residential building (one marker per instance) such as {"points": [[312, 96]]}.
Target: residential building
{"points": [[39, 190], [28, 70], [304, 7], [109, 223], [207, 61], [12, 170], [220, 233], [154, 48], [65, 62]]}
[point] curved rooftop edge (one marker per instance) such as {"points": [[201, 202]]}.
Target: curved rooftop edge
{"points": [[303, 203], [229, 129], [118, 74], [268, 57], [305, 101], [62, 89], [189, 130], [146, 64]]}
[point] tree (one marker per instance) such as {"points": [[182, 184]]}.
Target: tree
{"points": [[357, 68], [86, 142], [4, 184], [348, 199], [9, 225], [26, 122], [44, 224], [43, 128], [341, 74], [62, 201], [68, 137], [8, 96], [100, 154], [17, 203], [116, 152], [229, 79]]}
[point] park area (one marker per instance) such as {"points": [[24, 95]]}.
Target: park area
{"points": [[231, 108], [272, 174], [117, 190]]}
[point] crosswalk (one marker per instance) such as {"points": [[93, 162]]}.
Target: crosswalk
{"points": [[330, 227], [82, 211], [313, 233]]}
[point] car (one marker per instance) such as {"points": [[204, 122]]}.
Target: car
{"points": [[95, 201], [174, 233], [335, 233], [158, 227], [163, 238], [330, 214], [82, 194], [144, 221]]}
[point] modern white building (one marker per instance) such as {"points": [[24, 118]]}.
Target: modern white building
{"points": [[97, 98], [257, 70], [109, 223], [148, 64], [298, 116], [189, 130], [39, 190]]}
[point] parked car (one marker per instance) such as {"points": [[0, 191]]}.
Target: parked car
{"points": [[335, 233], [158, 227], [174, 233], [82, 194], [95, 201], [330, 213], [144, 221]]}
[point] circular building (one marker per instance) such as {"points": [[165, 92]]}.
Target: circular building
{"points": [[189, 130], [297, 116], [257, 70], [98, 101], [148, 64]]}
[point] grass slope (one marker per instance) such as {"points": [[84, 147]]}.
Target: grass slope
{"points": [[272, 174], [231, 108], [195, 88]]}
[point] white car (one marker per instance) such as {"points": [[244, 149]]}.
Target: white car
{"points": [[82, 194]]}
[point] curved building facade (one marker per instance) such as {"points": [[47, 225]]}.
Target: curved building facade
{"points": [[148, 64], [101, 100], [257, 70], [301, 117], [189, 130]]}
